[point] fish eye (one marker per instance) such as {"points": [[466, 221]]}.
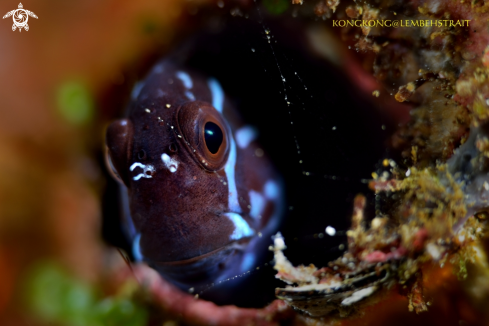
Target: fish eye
{"points": [[205, 134], [213, 137]]}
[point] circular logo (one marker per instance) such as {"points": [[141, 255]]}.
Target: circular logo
{"points": [[20, 18]]}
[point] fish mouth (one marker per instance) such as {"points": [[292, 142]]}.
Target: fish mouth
{"points": [[206, 268], [213, 265]]}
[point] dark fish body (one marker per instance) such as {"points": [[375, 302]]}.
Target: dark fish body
{"points": [[203, 198]]}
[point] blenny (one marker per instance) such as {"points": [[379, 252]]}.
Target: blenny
{"points": [[202, 198]]}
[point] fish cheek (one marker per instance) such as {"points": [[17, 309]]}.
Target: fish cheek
{"points": [[185, 218], [119, 139]]}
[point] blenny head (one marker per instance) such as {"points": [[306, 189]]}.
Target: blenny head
{"points": [[203, 197]]}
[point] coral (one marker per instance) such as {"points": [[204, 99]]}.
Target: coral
{"points": [[424, 228]]}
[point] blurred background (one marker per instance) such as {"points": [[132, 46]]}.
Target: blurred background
{"points": [[54, 81], [66, 78]]}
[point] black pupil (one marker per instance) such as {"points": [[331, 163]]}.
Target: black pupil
{"points": [[213, 137]]}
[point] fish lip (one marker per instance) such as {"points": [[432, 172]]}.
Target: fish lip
{"points": [[204, 269], [213, 265], [239, 244], [236, 243]]}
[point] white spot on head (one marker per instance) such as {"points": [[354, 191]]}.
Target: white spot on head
{"points": [[217, 94], [136, 248], [169, 162], [271, 190], [185, 78], [257, 203], [139, 176], [241, 227], [136, 90], [331, 231], [245, 135], [135, 165], [190, 95], [148, 171]]}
